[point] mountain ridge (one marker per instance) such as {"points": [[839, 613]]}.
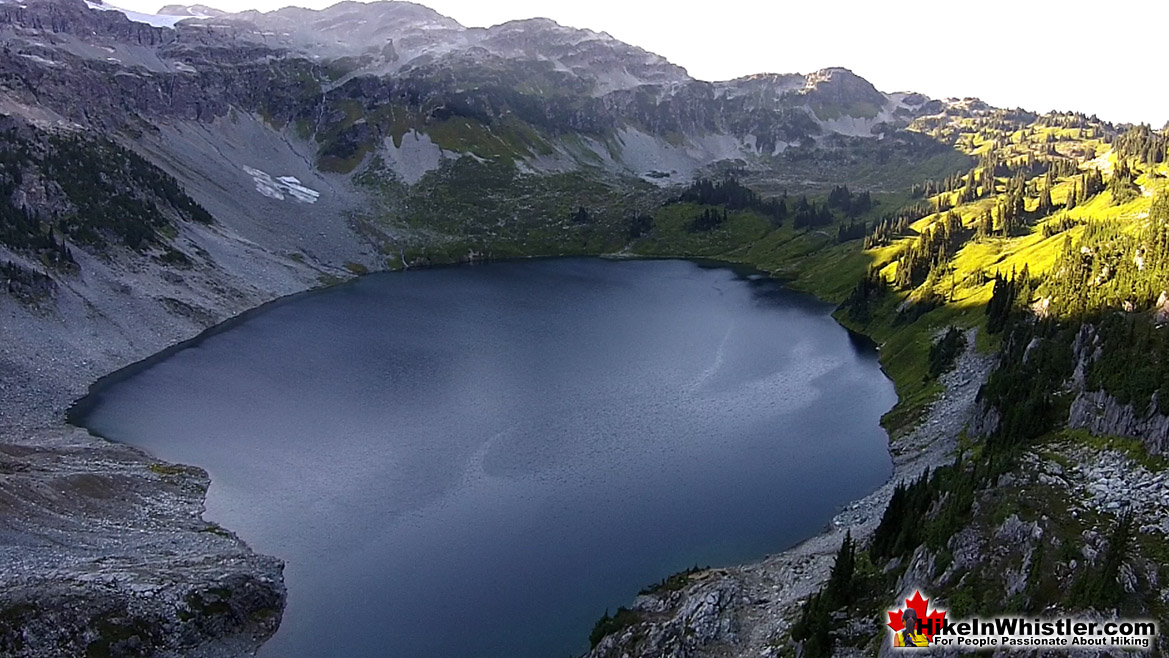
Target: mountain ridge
{"points": [[157, 180]]}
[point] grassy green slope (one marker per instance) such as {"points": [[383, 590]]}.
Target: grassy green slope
{"points": [[485, 207]]}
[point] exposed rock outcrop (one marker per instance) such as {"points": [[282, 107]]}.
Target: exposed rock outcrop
{"points": [[104, 553], [262, 120], [1100, 413]]}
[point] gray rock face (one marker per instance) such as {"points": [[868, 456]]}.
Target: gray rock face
{"points": [[1112, 482], [1102, 415], [102, 550], [104, 553], [389, 37], [581, 92], [689, 624]]}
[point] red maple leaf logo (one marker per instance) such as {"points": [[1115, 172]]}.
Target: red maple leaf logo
{"points": [[920, 606]]}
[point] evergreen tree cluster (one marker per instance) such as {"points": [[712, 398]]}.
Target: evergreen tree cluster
{"points": [[608, 625], [1099, 587], [106, 193], [1143, 144], [932, 250], [931, 187], [1132, 364], [1044, 206], [1060, 224], [1062, 167], [1035, 361], [1084, 187], [867, 292], [927, 511], [979, 183], [1009, 294], [893, 226], [733, 195], [974, 184], [944, 352], [854, 230], [852, 205], [24, 283], [640, 225], [1090, 184], [886, 230], [1111, 268], [1010, 210], [809, 214], [1122, 185], [1095, 298], [1108, 270], [901, 529], [581, 216], [114, 192], [1069, 120], [709, 219], [984, 225], [22, 228], [814, 626]]}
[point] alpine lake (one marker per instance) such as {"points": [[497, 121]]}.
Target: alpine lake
{"points": [[479, 461]]}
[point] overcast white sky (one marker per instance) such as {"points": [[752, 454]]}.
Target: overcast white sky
{"points": [[1107, 58]]}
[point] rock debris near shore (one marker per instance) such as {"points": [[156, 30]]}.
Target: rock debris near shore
{"points": [[103, 549], [105, 553]]}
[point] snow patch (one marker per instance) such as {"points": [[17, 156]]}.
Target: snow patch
{"points": [[42, 61], [282, 187], [150, 19]]}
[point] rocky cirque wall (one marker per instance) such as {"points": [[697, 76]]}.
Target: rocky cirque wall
{"points": [[103, 550]]}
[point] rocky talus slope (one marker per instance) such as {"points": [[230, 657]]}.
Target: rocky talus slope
{"points": [[161, 174]]}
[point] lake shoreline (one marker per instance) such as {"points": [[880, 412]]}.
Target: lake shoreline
{"points": [[41, 431], [769, 319], [744, 609]]}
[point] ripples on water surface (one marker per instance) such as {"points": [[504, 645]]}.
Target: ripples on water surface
{"points": [[476, 462]]}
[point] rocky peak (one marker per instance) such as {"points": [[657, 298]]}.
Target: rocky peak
{"points": [[338, 18], [841, 85], [608, 63], [835, 93], [351, 29], [763, 89], [967, 106]]}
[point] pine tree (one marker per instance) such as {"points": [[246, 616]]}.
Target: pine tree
{"points": [[1045, 206]]}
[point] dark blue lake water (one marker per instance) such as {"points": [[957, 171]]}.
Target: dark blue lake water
{"points": [[476, 462]]}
